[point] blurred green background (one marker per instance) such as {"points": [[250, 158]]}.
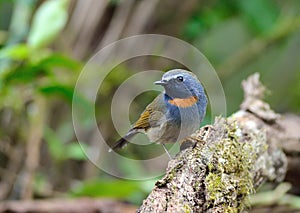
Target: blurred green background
{"points": [[45, 44]]}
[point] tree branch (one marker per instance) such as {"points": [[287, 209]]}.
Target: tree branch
{"points": [[227, 161]]}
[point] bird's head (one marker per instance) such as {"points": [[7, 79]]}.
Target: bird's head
{"points": [[180, 83]]}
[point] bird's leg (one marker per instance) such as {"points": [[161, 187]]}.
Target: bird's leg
{"points": [[165, 148]]}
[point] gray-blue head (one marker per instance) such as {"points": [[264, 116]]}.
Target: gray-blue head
{"points": [[180, 83]]}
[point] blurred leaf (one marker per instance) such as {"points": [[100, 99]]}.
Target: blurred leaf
{"points": [[208, 17], [80, 104], [84, 111], [61, 151], [65, 130], [59, 60], [261, 14], [64, 91], [107, 188], [56, 147], [75, 151], [132, 191], [42, 186], [115, 2], [11, 97], [49, 20], [28, 71], [131, 168], [193, 29], [16, 52], [25, 73], [20, 20]]}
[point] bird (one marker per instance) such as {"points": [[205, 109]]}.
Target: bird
{"points": [[174, 114]]}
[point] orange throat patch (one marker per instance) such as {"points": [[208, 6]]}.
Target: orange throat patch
{"points": [[184, 102]]}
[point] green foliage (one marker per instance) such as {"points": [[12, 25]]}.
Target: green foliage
{"points": [[260, 14], [35, 74], [132, 191], [58, 90], [48, 22], [61, 150], [16, 52], [106, 188], [57, 60], [207, 17], [29, 72], [41, 184]]}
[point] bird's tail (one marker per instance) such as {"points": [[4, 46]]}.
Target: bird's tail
{"points": [[124, 140]]}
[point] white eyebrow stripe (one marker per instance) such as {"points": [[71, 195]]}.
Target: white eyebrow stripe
{"points": [[171, 77]]}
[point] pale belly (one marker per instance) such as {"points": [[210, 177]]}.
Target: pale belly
{"points": [[171, 133]]}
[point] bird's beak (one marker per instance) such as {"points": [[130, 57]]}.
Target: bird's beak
{"points": [[162, 82]]}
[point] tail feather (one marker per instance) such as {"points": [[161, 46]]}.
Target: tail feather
{"points": [[119, 144], [124, 140]]}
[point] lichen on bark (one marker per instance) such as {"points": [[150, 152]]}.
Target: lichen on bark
{"points": [[230, 179]]}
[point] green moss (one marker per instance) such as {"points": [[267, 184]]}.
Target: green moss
{"points": [[229, 180], [214, 186], [230, 210], [187, 209]]}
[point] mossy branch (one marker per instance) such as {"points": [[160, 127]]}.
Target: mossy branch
{"points": [[226, 163]]}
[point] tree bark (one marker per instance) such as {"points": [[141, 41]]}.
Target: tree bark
{"points": [[225, 162]]}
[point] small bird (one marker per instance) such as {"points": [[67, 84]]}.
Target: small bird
{"points": [[174, 114]]}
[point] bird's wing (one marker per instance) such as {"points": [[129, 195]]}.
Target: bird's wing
{"points": [[152, 115]]}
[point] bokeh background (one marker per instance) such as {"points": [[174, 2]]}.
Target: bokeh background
{"points": [[45, 44]]}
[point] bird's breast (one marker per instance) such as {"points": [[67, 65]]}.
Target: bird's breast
{"points": [[183, 102]]}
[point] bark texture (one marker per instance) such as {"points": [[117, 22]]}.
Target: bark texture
{"points": [[224, 162]]}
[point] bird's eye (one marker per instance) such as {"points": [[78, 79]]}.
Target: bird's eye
{"points": [[180, 78]]}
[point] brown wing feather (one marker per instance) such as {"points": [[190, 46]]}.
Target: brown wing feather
{"points": [[143, 121], [152, 114]]}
